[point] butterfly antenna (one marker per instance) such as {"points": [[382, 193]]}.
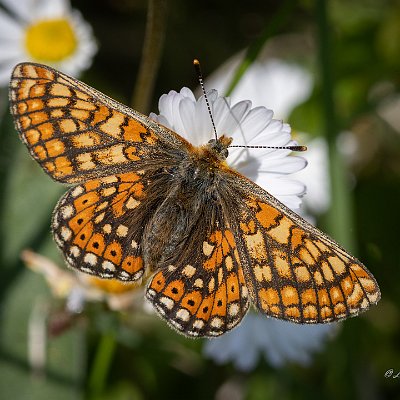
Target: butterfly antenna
{"points": [[196, 64], [293, 148]]}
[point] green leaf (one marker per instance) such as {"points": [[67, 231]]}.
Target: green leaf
{"points": [[27, 305]]}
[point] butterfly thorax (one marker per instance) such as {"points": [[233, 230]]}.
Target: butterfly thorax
{"points": [[213, 154], [192, 185]]}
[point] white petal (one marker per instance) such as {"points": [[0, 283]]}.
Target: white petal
{"points": [[287, 165], [51, 9], [229, 123], [10, 53], [22, 8], [293, 202], [281, 186], [10, 29], [253, 125], [186, 92], [278, 341], [169, 107], [202, 130], [185, 120], [268, 82], [5, 71], [220, 108], [159, 118]]}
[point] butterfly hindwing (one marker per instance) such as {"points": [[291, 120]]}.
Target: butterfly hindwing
{"points": [[203, 291], [98, 226]]}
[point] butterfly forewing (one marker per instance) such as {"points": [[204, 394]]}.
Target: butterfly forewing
{"points": [[75, 132]]}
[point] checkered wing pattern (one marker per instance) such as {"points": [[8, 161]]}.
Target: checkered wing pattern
{"points": [[293, 270], [202, 292], [98, 225], [75, 132]]}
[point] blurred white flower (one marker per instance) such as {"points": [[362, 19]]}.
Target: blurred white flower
{"points": [[77, 288], [316, 177], [249, 126], [44, 31], [271, 83], [278, 341]]}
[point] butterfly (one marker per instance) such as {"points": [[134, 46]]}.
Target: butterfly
{"points": [[146, 204]]}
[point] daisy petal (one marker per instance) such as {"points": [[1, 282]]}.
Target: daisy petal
{"points": [[288, 165], [254, 124], [10, 29], [22, 9], [231, 120], [283, 186]]}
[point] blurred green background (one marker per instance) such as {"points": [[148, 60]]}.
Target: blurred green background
{"points": [[353, 53]]}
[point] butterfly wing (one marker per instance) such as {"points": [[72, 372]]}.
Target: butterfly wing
{"points": [[98, 226], [75, 132], [294, 271], [201, 291], [78, 135]]}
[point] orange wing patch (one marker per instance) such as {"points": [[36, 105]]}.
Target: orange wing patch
{"points": [[92, 226], [69, 130], [297, 273], [207, 298]]}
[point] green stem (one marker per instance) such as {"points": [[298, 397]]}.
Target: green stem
{"points": [[254, 49], [101, 364], [151, 55], [340, 218]]}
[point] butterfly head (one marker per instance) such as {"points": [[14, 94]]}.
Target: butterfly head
{"points": [[220, 146]]}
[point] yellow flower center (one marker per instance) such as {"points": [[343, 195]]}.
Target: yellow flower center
{"points": [[112, 285], [50, 40]]}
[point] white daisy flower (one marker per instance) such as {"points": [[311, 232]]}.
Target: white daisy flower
{"points": [[44, 31], [248, 126], [278, 341]]}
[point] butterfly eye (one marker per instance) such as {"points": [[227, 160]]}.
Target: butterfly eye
{"points": [[224, 153]]}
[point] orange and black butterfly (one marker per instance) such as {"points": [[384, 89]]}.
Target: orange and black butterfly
{"points": [[144, 201]]}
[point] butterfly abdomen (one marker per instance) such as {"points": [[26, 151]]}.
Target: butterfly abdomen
{"points": [[191, 186]]}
